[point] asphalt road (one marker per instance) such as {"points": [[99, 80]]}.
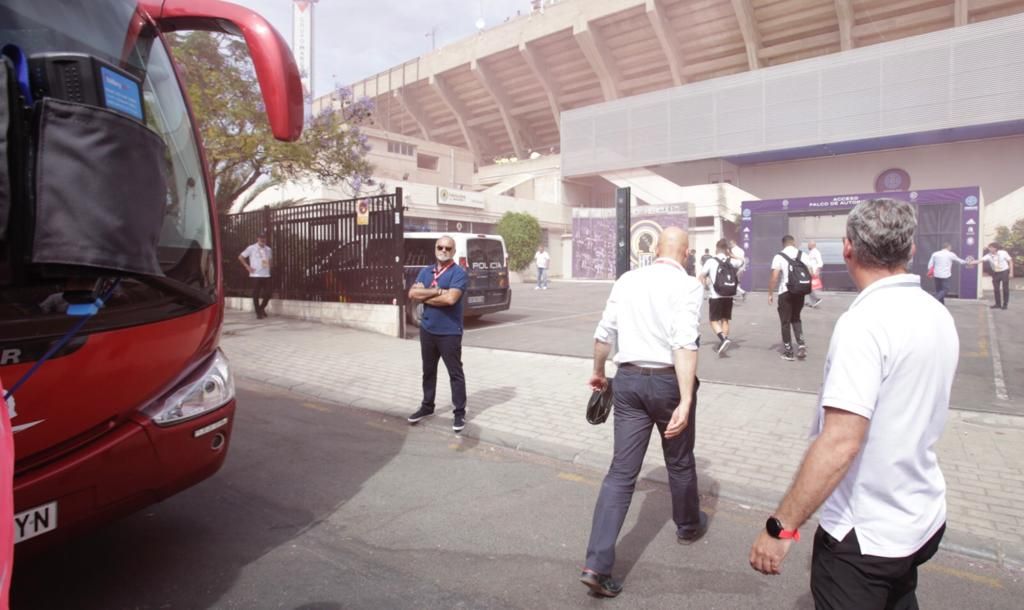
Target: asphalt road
{"points": [[562, 320], [321, 506]]}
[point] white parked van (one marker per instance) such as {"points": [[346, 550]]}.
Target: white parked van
{"points": [[485, 260]]}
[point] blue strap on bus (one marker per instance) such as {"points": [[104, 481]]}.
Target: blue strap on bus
{"points": [[20, 70], [84, 312]]}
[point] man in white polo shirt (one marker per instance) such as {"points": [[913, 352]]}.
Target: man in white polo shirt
{"points": [[881, 411]]}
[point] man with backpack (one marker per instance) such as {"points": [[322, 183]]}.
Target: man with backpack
{"points": [[719, 274], [793, 280]]}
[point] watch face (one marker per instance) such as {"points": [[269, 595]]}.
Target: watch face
{"points": [[774, 527]]}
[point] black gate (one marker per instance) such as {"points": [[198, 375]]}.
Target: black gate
{"points": [[340, 251]]}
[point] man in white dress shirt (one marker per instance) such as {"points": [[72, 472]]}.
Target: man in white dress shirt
{"points": [[941, 265], [882, 409], [652, 316]]}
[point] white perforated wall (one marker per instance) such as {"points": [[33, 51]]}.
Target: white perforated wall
{"points": [[960, 77]]}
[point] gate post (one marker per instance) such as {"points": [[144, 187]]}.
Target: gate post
{"points": [[399, 261]]}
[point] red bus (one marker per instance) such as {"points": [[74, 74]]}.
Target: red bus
{"points": [[140, 403]]}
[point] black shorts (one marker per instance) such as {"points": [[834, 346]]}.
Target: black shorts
{"points": [[720, 309]]}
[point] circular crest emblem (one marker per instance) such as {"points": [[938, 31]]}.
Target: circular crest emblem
{"points": [[893, 179]]}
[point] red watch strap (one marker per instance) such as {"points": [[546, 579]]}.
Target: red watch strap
{"points": [[786, 534]]}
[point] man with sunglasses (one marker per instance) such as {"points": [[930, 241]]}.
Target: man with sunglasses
{"points": [[440, 287]]}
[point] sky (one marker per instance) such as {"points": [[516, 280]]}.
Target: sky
{"points": [[354, 39]]}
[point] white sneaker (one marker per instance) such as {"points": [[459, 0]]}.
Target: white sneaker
{"points": [[544, 288], [724, 346], [536, 287]]}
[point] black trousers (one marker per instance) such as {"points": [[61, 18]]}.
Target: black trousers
{"points": [[642, 402], [447, 348], [844, 579], [1001, 286], [790, 306], [261, 290], [941, 286]]}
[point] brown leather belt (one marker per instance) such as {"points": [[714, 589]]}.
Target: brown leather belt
{"points": [[643, 370]]}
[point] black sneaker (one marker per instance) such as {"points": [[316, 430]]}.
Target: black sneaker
{"points": [[724, 346], [787, 355], [995, 307], [801, 352], [459, 423], [600, 584], [421, 413], [697, 534]]}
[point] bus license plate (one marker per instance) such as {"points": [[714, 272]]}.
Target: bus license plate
{"points": [[35, 521], [476, 300]]}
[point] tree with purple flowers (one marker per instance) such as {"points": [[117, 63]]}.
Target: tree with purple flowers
{"points": [[240, 149]]}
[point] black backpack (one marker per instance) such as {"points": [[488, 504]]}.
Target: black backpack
{"points": [[725, 279], [799, 280]]}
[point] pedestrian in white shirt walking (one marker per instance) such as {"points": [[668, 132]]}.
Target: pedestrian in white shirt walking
{"points": [[793, 279], [256, 260], [815, 265], [941, 267], [543, 260], [652, 315], [1002, 270], [736, 252], [882, 408], [719, 275]]}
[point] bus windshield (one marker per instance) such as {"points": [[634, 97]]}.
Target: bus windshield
{"points": [[32, 305]]}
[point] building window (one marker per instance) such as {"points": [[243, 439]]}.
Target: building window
{"points": [[426, 162], [401, 148], [704, 221]]}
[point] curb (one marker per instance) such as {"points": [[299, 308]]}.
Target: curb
{"points": [[960, 543]]}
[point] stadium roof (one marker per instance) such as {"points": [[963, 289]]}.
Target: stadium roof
{"points": [[500, 93]]}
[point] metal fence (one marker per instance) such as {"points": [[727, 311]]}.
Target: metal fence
{"points": [[348, 251]]}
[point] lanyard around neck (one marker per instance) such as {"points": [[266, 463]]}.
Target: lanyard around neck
{"points": [[439, 272]]}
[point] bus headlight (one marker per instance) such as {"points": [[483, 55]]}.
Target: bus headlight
{"points": [[209, 388]]}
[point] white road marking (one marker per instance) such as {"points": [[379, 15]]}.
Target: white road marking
{"points": [[997, 361], [541, 321]]}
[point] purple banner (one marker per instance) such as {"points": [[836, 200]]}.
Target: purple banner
{"points": [[593, 237], [968, 198]]}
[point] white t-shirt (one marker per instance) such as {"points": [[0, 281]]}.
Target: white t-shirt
{"points": [[891, 359], [651, 312], [781, 264], [814, 262], [710, 271], [259, 260], [1000, 261], [542, 259]]}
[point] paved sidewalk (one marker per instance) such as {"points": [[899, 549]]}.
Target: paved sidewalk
{"points": [[749, 440]]}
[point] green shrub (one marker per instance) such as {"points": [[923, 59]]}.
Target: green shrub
{"points": [[1013, 242], [521, 232]]}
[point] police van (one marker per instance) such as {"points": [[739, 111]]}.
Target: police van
{"points": [[485, 260]]}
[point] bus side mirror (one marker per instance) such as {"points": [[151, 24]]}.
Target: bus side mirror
{"points": [[275, 66]]}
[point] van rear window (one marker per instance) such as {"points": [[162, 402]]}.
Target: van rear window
{"points": [[485, 254]]}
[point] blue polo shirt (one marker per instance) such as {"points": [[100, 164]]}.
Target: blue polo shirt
{"points": [[444, 320]]}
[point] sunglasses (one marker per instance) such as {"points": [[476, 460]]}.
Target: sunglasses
{"points": [[445, 248]]}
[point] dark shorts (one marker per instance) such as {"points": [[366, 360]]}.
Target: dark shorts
{"points": [[720, 309]]}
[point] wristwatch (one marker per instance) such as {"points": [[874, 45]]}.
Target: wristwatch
{"points": [[775, 530]]}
